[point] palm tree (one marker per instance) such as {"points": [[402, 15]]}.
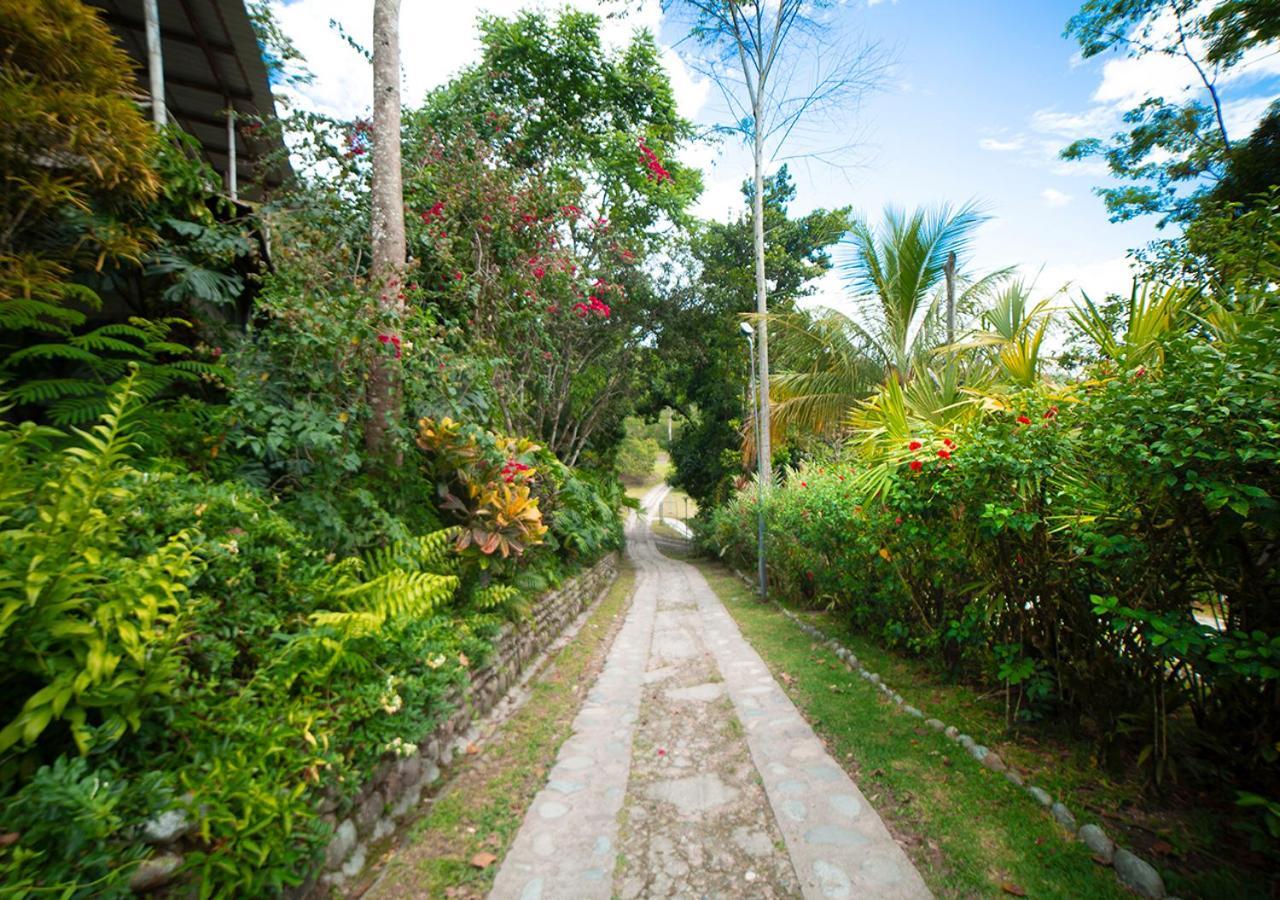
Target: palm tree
{"points": [[828, 361]]}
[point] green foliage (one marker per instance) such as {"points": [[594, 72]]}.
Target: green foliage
{"points": [[1174, 154], [705, 366], [637, 456], [1067, 544], [68, 819], [90, 632]]}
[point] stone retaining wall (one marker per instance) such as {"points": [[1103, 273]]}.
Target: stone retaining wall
{"points": [[395, 789]]}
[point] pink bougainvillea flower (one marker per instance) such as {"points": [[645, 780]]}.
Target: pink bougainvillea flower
{"points": [[662, 752], [1023, 420], [914, 445], [539, 272], [916, 465]]}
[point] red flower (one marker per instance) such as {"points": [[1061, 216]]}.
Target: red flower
{"points": [[1051, 412], [944, 454], [897, 520], [1023, 420], [392, 339], [539, 272], [914, 445], [804, 484], [950, 443], [435, 212], [457, 276], [916, 465]]}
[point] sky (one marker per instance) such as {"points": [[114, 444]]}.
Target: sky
{"points": [[974, 102]]}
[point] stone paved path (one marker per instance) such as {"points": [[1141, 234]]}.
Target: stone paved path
{"points": [[691, 774]]}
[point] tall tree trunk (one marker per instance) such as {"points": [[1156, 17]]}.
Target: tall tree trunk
{"points": [[387, 222], [762, 305]]}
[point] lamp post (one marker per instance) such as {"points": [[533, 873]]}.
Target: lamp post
{"points": [[748, 333]]}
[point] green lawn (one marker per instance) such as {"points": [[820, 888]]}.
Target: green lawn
{"points": [[970, 831]]}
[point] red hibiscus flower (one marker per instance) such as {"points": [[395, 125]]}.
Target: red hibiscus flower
{"points": [[1023, 420], [916, 465], [914, 445]]}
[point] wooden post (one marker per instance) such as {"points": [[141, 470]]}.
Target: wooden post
{"points": [[155, 63]]}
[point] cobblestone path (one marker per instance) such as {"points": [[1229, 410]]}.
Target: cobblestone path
{"points": [[691, 774]]}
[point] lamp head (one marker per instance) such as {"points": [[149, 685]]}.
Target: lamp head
{"points": [[746, 329]]}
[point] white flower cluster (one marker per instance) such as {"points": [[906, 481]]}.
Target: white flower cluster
{"points": [[400, 747], [391, 701]]}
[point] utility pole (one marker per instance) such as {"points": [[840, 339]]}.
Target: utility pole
{"points": [[950, 271], [756, 402], [155, 63]]}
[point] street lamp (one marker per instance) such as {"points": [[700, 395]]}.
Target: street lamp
{"points": [[747, 332]]}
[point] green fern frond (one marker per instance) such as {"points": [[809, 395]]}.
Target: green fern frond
{"points": [[428, 552], [54, 351], [99, 342], [397, 595], [47, 390], [495, 597]]}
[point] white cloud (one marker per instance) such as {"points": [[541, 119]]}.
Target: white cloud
{"points": [[1126, 82], [1097, 278], [998, 146], [1098, 120], [1055, 197]]}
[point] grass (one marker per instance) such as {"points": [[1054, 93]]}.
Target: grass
{"points": [[970, 832], [637, 489], [1186, 834], [481, 809], [678, 505]]}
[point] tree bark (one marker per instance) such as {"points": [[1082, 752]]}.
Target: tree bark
{"points": [[387, 232]]}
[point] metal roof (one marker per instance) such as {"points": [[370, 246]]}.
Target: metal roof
{"points": [[212, 62]]}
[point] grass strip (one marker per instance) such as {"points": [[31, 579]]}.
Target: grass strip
{"points": [[971, 833], [482, 807], [1185, 833]]}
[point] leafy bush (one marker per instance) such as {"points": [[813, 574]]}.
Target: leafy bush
{"points": [[637, 456], [1067, 544], [89, 631]]}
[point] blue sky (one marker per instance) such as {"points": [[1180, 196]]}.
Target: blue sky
{"points": [[981, 96]]}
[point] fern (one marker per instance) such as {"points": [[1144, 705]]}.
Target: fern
{"points": [[500, 599], [397, 595], [426, 552], [88, 631], [389, 588]]}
